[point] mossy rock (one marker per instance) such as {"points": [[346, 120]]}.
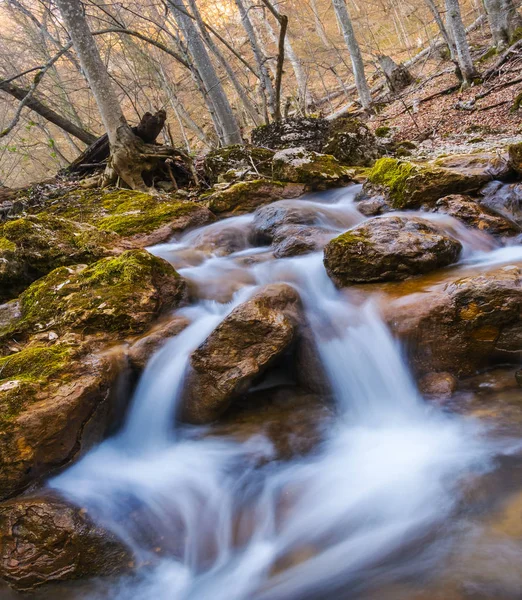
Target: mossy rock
{"points": [[244, 197], [383, 131], [146, 219], [316, 171], [352, 143], [114, 296], [32, 246], [309, 133], [409, 185], [515, 157], [237, 158]]}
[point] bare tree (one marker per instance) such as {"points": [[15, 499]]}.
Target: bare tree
{"points": [[442, 28], [465, 62], [345, 23], [503, 20]]}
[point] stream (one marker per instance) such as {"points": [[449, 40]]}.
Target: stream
{"points": [[376, 510]]}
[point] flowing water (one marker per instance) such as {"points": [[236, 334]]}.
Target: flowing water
{"points": [[214, 518]]}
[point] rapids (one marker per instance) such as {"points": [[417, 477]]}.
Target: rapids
{"points": [[211, 518]]}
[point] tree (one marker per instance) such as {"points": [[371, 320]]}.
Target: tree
{"points": [[464, 60], [442, 28], [226, 121], [341, 12], [503, 19], [126, 156]]}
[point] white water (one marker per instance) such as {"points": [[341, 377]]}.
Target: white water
{"points": [[387, 475]]}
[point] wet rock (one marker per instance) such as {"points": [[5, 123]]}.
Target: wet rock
{"points": [[43, 539], [372, 206], [438, 385], [269, 219], [467, 210], [487, 166], [308, 133], [316, 171], [32, 246], [352, 143], [504, 200], [222, 239], [457, 327], [142, 219], [388, 248], [245, 159], [55, 402], [294, 240], [250, 339], [113, 296], [244, 197], [140, 351], [408, 185]]}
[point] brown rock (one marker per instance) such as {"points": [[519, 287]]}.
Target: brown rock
{"points": [[388, 248], [487, 166], [269, 219], [457, 327], [504, 199], [438, 385], [293, 240], [250, 339], [43, 539]]}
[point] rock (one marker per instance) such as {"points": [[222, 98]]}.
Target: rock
{"points": [[32, 246], [140, 351], [308, 133], [237, 158], [142, 219], [352, 143], [293, 240], [113, 296], [43, 539], [457, 327], [373, 206], [388, 248], [518, 377], [467, 210], [408, 185], [55, 402], [244, 197], [317, 171], [397, 75], [223, 238], [269, 219], [487, 166], [250, 339], [515, 157], [438, 385], [504, 200]]}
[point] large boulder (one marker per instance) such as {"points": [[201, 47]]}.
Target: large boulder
{"points": [[352, 143], [220, 162], [239, 350], [316, 171], [471, 213], [408, 185], [308, 133], [32, 246], [483, 165], [43, 539], [113, 296], [244, 197], [387, 249], [462, 326], [142, 219], [504, 199]]}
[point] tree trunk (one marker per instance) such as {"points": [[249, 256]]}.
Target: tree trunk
{"points": [[230, 132], [397, 76], [319, 28], [264, 77], [503, 21], [465, 63], [345, 22], [442, 28]]}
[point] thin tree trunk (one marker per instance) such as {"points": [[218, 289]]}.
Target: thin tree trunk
{"points": [[465, 62], [230, 132], [319, 28], [503, 20], [442, 28], [345, 23]]}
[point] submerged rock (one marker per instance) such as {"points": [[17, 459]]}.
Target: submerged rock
{"points": [[408, 185], [244, 197], [143, 219], [241, 348], [438, 385], [219, 162], [32, 246], [43, 539], [317, 171], [113, 296], [387, 249], [470, 212], [504, 200], [462, 326]]}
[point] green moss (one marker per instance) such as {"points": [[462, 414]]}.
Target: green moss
{"points": [[489, 54], [242, 196], [393, 174], [516, 36], [349, 238], [6, 245], [383, 131]]}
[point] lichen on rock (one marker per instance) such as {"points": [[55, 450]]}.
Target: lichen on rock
{"points": [[220, 161]]}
